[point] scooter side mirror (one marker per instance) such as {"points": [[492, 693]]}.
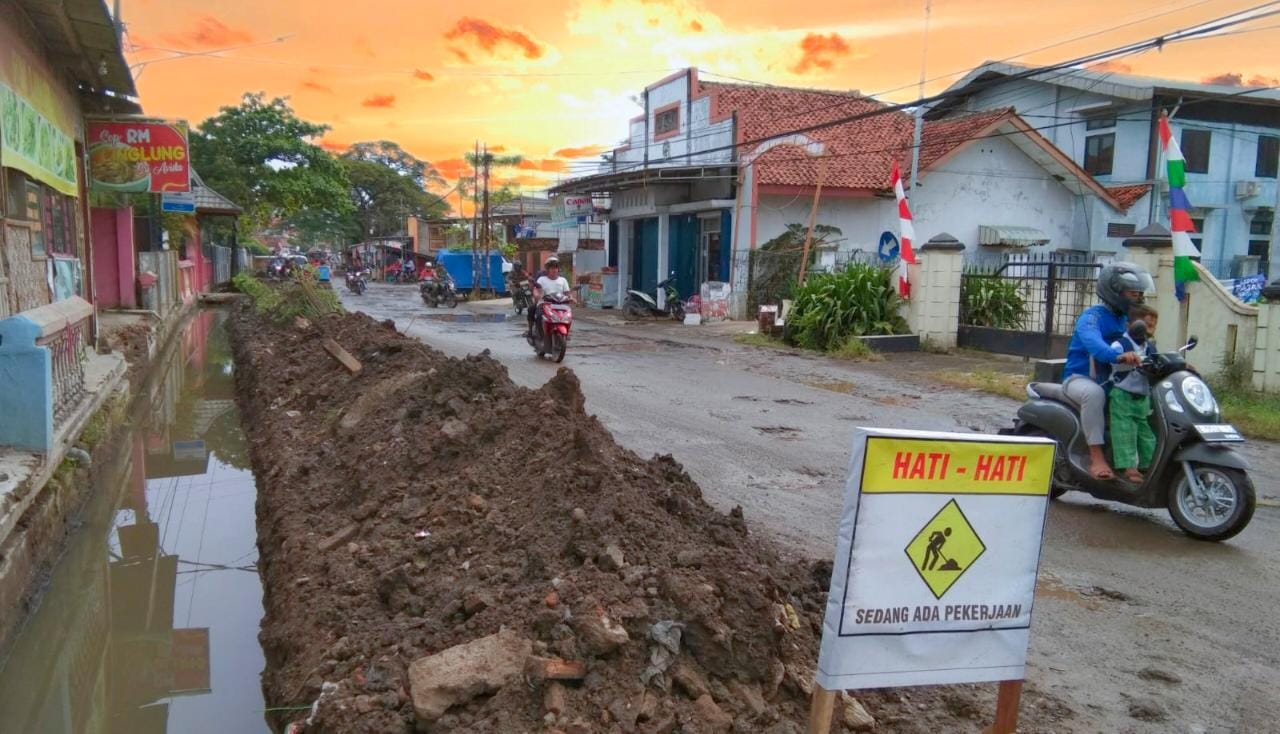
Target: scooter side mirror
{"points": [[1191, 343]]}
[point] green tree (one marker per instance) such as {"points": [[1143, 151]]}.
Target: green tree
{"points": [[260, 155], [319, 228], [391, 155], [384, 198]]}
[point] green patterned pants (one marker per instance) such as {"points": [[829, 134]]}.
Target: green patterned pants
{"points": [[1133, 444]]}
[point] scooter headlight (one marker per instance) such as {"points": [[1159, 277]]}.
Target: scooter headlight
{"points": [[1197, 395]]}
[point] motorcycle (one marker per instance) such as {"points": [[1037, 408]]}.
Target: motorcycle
{"points": [[521, 296], [357, 281], [640, 304], [437, 290], [550, 335], [1195, 474], [277, 270]]}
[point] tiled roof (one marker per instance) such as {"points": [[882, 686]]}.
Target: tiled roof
{"points": [[858, 154], [1127, 196]]}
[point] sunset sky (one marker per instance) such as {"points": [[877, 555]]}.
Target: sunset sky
{"points": [[553, 79]]}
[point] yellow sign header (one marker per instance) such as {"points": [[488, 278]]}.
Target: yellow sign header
{"points": [[922, 465]]}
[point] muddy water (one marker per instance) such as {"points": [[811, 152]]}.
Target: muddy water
{"points": [[150, 620]]}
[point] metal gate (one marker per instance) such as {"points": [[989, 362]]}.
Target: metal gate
{"points": [[1026, 306]]}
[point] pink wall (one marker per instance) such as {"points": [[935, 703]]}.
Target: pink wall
{"points": [[115, 267]]}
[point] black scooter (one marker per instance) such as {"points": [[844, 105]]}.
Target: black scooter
{"points": [[1195, 474]]}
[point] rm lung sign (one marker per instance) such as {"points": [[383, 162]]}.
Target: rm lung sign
{"points": [[936, 560]]}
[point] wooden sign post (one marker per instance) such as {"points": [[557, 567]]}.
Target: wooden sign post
{"points": [[935, 569]]}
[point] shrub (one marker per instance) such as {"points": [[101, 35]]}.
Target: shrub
{"points": [[993, 302], [302, 295], [831, 307]]}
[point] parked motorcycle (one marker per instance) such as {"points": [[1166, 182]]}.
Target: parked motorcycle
{"points": [[550, 336], [640, 304], [357, 280], [1196, 474]]}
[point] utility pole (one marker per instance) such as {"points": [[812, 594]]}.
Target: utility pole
{"points": [[915, 138], [475, 214], [487, 229]]}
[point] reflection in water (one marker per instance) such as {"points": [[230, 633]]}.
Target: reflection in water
{"points": [[151, 618]]}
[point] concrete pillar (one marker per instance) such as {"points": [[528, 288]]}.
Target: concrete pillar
{"points": [[27, 401], [936, 295], [664, 240], [1266, 355], [625, 228], [1152, 249]]}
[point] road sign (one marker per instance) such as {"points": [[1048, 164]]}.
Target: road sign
{"points": [[183, 202], [936, 560]]}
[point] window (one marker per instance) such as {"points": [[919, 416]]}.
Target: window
{"points": [[1102, 122], [1261, 223], [1195, 150], [1099, 151], [666, 122], [34, 214], [1268, 157], [1198, 223], [1120, 229]]}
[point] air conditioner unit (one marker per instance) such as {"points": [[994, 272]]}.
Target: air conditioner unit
{"points": [[1248, 189]]}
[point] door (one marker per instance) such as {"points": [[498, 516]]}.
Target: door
{"points": [[709, 248]]}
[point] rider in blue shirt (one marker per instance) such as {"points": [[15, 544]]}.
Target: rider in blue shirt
{"points": [[1091, 354]]}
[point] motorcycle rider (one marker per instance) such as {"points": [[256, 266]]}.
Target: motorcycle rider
{"points": [[1090, 355], [548, 284]]}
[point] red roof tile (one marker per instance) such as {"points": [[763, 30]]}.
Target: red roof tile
{"points": [[1127, 196], [859, 154]]}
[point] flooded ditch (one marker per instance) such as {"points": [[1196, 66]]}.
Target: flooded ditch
{"points": [[150, 620]]}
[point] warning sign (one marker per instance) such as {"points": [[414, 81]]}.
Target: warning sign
{"points": [[945, 548], [938, 549]]}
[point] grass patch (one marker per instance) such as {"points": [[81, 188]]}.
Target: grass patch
{"points": [[756, 339], [1256, 414], [1004, 384], [855, 350]]}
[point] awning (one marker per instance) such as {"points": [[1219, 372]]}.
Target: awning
{"points": [[1006, 236]]}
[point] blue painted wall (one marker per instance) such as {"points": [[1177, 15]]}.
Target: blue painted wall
{"points": [[26, 400]]}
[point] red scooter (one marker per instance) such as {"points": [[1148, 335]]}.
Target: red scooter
{"points": [[550, 335]]}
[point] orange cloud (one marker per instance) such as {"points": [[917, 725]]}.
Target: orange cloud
{"points": [[1236, 79], [492, 39], [379, 100], [528, 180], [333, 146], [453, 168], [548, 165], [586, 151], [208, 32], [695, 26], [1111, 65], [497, 149], [819, 52], [425, 76], [316, 87]]}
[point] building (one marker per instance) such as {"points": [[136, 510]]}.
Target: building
{"points": [[1107, 123], [712, 172]]}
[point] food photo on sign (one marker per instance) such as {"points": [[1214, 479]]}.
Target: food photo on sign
{"points": [[139, 156]]}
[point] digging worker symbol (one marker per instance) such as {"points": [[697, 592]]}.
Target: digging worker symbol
{"points": [[931, 554]]}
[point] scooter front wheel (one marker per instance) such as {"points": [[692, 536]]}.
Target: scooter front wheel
{"points": [[633, 310], [558, 346], [1225, 510]]}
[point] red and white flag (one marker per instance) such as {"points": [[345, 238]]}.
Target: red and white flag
{"points": [[906, 233]]}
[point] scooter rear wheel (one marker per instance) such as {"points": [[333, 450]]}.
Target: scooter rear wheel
{"points": [[1228, 509], [1059, 461], [633, 310]]}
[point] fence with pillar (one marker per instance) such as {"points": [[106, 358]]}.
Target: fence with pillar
{"points": [[42, 356]]}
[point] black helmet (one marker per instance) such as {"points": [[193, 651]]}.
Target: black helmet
{"points": [[1119, 277]]}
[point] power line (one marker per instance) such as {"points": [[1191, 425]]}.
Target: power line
{"points": [[1198, 31]]}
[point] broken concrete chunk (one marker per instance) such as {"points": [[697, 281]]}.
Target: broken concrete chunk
{"points": [[599, 633], [853, 714], [554, 698], [455, 429], [689, 680], [462, 672], [611, 559], [713, 718]]}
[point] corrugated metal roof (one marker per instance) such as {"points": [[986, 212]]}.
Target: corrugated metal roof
{"points": [[1008, 236], [209, 201], [1114, 84]]}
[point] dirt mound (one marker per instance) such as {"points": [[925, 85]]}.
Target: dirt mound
{"points": [[428, 502]]}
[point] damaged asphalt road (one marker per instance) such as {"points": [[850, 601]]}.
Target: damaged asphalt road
{"points": [[1137, 627]]}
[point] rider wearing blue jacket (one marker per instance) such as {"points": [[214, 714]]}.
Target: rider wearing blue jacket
{"points": [[1090, 354]]}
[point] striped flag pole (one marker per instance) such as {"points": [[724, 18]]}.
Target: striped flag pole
{"points": [[1180, 225], [906, 234]]}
